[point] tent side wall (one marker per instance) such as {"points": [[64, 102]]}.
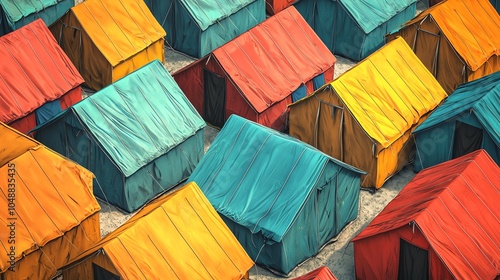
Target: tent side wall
{"points": [[40, 265], [167, 170], [84, 270], [275, 6], [377, 257], [87, 58], [492, 65], [163, 11], [231, 27], [186, 35]]}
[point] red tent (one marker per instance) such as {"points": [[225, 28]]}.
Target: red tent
{"points": [[321, 273], [34, 71], [444, 224], [259, 73], [275, 6]]}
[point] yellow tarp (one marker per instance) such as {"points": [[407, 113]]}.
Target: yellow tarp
{"points": [[389, 91], [51, 195], [119, 29], [471, 26], [179, 236]]}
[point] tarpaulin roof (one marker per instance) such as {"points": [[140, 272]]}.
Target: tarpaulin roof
{"points": [[118, 29], [199, 244], [455, 205], [480, 97], [34, 70], [15, 10], [140, 117], [320, 273], [389, 92], [259, 177], [373, 13], [271, 60], [52, 194], [208, 12], [472, 27]]}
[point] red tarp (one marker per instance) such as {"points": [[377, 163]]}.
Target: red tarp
{"points": [[451, 210], [321, 273], [275, 6], [33, 71]]}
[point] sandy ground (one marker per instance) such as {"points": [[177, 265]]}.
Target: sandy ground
{"points": [[338, 256]]}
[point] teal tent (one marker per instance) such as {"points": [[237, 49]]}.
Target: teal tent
{"points": [[282, 198], [467, 121], [355, 28], [199, 27], [18, 13], [140, 136]]}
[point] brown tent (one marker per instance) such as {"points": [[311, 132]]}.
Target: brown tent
{"points": [[457, 40], [366, 116]]}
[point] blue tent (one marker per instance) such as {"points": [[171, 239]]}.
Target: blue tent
{"points": [[355, 28], [467, 121], [140, 136], [282, 198], [199, 27], [18, 13]]}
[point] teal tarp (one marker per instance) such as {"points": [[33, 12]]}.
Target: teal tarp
{"points": [[140, 136], [355, 28], [273, 190], [199, 27], [17, 13], [477, 104]]}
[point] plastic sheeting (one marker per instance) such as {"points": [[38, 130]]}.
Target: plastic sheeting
{"points": [[451, 210], [476, 103], [271, 187], [34, 70], [15, 14], [199, 244], [59, 192]]}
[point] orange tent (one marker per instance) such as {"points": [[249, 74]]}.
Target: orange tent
{"points": [[178, 236], [457, 40], [49, 214], [37, 79], [443, 225], [321, 273]]}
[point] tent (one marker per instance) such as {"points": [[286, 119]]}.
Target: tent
{"points": [[259, 73], [320, 273], [495, 3], [443, 225], [276, 6], [37, 80], [140, 136], [467, 121], [280, 197], [366, 116], [15, 14], [106, 39], [354, 28], [199, 27], [49, 214], [179, 236], [455, 44]]}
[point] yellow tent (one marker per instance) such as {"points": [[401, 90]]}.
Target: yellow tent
{"points": [[457, 40], [366, 116], [49, 214], [179, 236], [108, 39]]}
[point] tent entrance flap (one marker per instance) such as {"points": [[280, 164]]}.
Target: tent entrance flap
{"points": [[103, 274], [413, 262], [214, 105], [467, 139]]}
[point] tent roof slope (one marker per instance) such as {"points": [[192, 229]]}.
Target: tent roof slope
{"points": [[269, 62], [480, 97], [140, 117], [34, 70], [371, 14], [320, 273], [199, 242], [16, 10], [389, 92], [455, 205], [62, 203], [249, 165], [119, 29], [472, 28], [207, 13]]}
